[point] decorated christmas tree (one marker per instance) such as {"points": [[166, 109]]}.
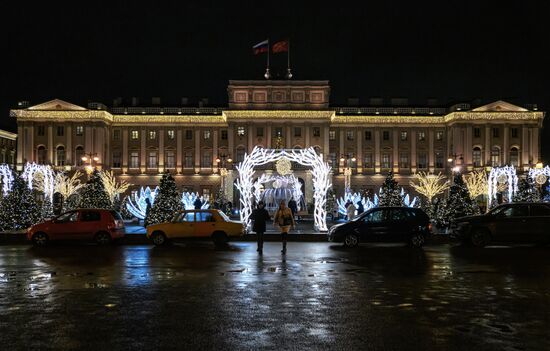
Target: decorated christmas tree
{"points": [[527, 192], [93, 194], [390, 193], [458, 204], [167, 202], [124, 209], [47, 209], [19, 210]]}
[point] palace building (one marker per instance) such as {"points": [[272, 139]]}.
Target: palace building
{"points": [[199, 144]]}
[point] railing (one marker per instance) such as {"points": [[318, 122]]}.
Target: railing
{"points": [[166, 110]]}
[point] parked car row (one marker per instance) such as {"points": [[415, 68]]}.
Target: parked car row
{"points": [[515, 222]]}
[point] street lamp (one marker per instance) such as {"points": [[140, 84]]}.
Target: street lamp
{"points": [[221, 161], [347, 161], [90, 158], [455, 168]]}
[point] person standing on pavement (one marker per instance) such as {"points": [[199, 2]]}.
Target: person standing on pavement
{"points": [[260, 216], [293, 207], [350, 210], [197, 203], [360, 208], [284, 219]]}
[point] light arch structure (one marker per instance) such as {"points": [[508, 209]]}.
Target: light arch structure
{"points": [[320, 171], [504, 175]]}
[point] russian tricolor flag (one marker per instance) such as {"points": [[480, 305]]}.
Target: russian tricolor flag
{"points": [[261, 47]]}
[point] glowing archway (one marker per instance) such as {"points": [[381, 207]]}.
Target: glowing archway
{"points": [[320, 171]]}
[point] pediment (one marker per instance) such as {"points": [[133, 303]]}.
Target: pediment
{"points": [[500, 106], [57, 105]]}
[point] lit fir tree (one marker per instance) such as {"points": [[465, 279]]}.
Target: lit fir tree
{"points": [[458, 204], [19, 210], [390, 193], [93, 194], [71, 203], [331, 202], [124, 209], [47, 209], [527, 192], [167, 202]]}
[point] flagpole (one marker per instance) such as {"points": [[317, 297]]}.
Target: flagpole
{"points": [[267, 75], [288, 73]]}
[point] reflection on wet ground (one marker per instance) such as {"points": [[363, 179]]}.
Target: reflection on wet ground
{"points": [[320, 296]]}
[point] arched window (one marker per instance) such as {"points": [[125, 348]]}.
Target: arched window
{"points": [[514, 156], [60, 156], [495, 156], [476, 156], [79, 153], [41, 155]]}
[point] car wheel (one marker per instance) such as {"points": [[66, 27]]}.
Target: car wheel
{"points": [[417, 240], [40, 239], [351, 240], [220, 239], [103, 238], [159, 238], [479, 238]]}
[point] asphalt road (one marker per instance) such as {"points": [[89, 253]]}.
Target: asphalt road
{"points": [[319, 296]]}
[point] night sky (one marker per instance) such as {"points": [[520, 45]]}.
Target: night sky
{"points": [[455, 51]]}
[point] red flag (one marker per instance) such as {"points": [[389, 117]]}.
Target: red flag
{"points": [[280, 46]]}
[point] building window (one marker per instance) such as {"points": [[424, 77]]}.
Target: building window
{"points": [[116, 159], [439, 160], [260, 131], [385, 135], [476, 157], [368, 161], [331, 135], [421, 136], [41, 130], [349, 135], [79, 153], [368, 135], [403, 136], [240, 131], [188, 134], [188, 159], [439, 136], [386, 160], [206, 135], [41, 155], [135, 135], [152, 135], [514, 156], [224, 134], [495, 156], [134, 159], [404, 160], [171, 134], [278, 132], [152, 161], [60, 130], [116, 134], [240, 155], [206, 159], [477, 132], [316, 131], [514, 132], [422, 160], [60, 155], [297, 131], [170, 159], [495, 133], [79, 130]]}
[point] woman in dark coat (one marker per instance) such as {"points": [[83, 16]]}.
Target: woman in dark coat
{"points": [[260, 216]]}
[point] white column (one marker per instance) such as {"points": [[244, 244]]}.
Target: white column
{"points": [[124, 150], [505, 145], [413, 151], [341, 149], [268, 136], [326, 142], [99, 145], [179, 156], [161, 151], [231, 141], [377, 150], [487, 148], [21, 147], [288, 137], [214, 150], [69, 147], [431, 163], [525, 146], [395, 151], [31, 145], [107, 142], [50, 145], [250, 139], [535, 145], [468, 148], [359, 154], [197, 150], [306, 140], [143, 159]]}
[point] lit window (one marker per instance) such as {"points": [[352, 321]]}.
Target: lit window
{"points": [[403, 136], [135, 135], [422, 160], [206, 159], [476, 157], [171, 134], [421, 136], [116, 159], [404, 160], [134, 159], [439, 136], [349, 135], [152, 159], [79, 130], [332, 135], [206, 135], [152, 135], [240, 131], [368, 161], [170, 159], [188, 158], [495, 156], [60, 159], [386, 160], [514, 157], [439, 159]]}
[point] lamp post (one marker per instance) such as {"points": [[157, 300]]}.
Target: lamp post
{"points": [[91, 158], [221, 161], [454, 167], [347, 161]]}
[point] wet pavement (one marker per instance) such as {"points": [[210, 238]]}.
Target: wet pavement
{"points": [[320, 296]]}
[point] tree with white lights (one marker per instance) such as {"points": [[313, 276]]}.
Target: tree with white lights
{"points": [[527, 192], [67, 187], [167, 202], [390, 194], [112, 186], [429, 186], [458, 204], [19, 210], [47, 209], [93, 194]]}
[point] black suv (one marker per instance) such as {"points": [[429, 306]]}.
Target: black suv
{"points": [[515, 222], [384, 224]]}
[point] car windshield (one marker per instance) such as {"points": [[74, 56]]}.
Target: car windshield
{"points": [[224, 216]]}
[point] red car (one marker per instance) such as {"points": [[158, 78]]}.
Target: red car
{"points": [[101, 226]]}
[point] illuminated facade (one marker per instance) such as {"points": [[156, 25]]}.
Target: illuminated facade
{"points": [[139, 143], [7, 147]]}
